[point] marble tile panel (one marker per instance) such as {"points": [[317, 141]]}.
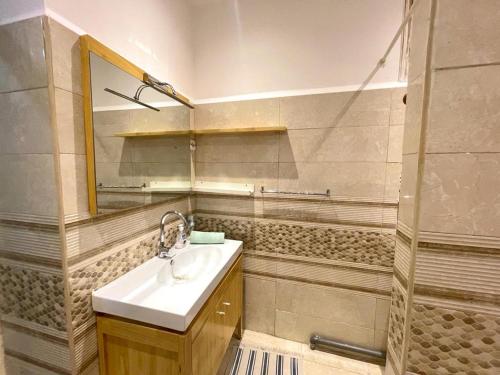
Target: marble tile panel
{"points": [[392, 182], [299, 328], [326, 303], [355, 180], [349, 144], [105, 120], [66, 59], [408, 189], [259, 174], [239, 114], [398, 108], [413, 118], [30, 187], [173, 118], [74, 184], [119, 174], [22, 56], [25, 122], [260, 295], [156, 150], [465, 111], [419, 35], [368, 108], [69, 117], [465, 33], [246, 148], [382, 311], [146, 172], [395, 148], [113, 150], [460, 194]]}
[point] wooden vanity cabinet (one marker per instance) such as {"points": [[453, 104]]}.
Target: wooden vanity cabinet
{"points": [[128, 347]]}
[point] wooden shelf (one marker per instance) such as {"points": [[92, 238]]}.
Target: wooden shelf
{"points": [[176, 133]]}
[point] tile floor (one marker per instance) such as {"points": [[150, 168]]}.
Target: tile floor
{"points": [[314, 362]]}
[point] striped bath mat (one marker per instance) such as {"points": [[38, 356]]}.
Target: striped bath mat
{"points": [[251, 361]]}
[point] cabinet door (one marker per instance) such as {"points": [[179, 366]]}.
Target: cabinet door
{"points": [[203, 349]]}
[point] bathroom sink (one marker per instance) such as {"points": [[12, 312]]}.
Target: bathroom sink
{"points": [[191, 264], [168, 292]]}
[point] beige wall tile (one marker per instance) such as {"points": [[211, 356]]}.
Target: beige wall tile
{"points": [[146, 172], [342, 144], [382, 314], [104, 119], [260, 174], [66, 59], [168, 150], [22, 57], [260, 297], [242, 114], [380, 340], [466, 32], [28, 185], [69, 117], [25, 123], [363, 180], [398, 108], [395, 149], [116, 174], [465, 111], [326, 303], [392, 182], [74, 184], [169, 118], [408, 189], [113, 150], [238, 148], [413, 118], [460, 194], [419, 39], [370, 108], [299, 328]]}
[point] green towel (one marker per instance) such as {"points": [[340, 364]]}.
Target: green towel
{"points": [[206, 237]]}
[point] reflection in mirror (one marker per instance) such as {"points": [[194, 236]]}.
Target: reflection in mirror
{"points": [[135, 171]]}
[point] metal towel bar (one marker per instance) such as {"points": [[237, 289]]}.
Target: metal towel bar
{"points": [[100, 185], [264, 191]]}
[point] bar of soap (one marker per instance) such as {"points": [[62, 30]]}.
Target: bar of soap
{"points": [[206, 237]]}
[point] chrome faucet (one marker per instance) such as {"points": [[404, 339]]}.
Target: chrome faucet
{"points": [[181, 237]]}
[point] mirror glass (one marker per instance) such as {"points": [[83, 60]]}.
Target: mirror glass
{"points": [[136, 171]]}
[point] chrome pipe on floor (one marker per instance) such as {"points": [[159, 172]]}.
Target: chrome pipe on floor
{"points": [[334, 345]]}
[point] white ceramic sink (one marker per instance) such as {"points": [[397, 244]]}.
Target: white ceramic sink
{"points": [[168, 293]]}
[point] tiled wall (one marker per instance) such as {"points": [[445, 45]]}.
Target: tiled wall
{"points": [[312, 265], [32, 298], [134, 161], [448, 243], [52, 254]]}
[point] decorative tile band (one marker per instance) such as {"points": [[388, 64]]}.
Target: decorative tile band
{"points": [[447, 341], [33, 295], [397, 319], [374, 248]]}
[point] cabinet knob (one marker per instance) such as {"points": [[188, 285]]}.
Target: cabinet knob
{"points": [[220, 312], [226, 303]]}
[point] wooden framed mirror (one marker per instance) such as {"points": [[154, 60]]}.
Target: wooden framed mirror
{"points": [[123, 106]]}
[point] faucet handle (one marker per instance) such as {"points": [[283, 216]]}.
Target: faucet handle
{"points": [[190, 220]]}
